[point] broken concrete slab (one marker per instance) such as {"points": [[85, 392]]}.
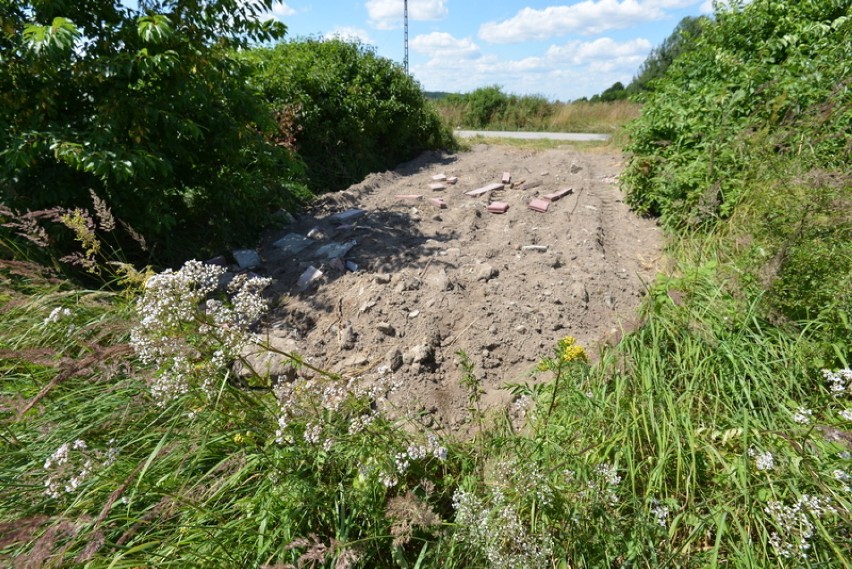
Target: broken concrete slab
{"points": [[539, 205], [335, 250], [246, 258], [310, 275], [484, 190], [498, 207], [293, 243], [348, 215], [558, 194]]}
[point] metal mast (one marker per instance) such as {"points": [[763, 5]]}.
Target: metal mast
{"points": [[405, 18]]}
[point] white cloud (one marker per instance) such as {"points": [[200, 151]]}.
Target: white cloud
{"points": [[588, 17], [441, 45], [351, 34], [602, 53], [280, 10], [388, 14], [567, 71]]}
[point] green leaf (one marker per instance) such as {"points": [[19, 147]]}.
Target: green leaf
{"points": [[59, 36], [155, 29]]}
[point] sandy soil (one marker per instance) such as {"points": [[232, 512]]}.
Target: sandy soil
{"points": [[430, 282]]}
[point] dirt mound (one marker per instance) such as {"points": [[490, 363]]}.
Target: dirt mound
{"points": [[405, 284]]}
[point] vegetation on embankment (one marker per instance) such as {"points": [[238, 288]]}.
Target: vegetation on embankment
{"points": [[489, 108], [710, 435]]}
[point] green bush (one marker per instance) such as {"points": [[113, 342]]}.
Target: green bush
{"points": [[348, 111], [148, 109], [747, 134]]}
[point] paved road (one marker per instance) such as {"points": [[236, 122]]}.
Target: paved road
{"points": [[573, 136]]}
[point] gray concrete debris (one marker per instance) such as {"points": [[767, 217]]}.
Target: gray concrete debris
{"points": [[310, 275], [335, 250], [293, 243], [246, 259], [348, 215]]}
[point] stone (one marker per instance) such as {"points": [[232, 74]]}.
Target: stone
{"points": [[293, 243], [310, 275], [246, 259], [218, 261], [348, 215], [486, 272], [394, 359], [484, 190], [268, 360], [382, 278], [335, 250], [578, 291], [386, 329], [422, 353], [347, 337]]}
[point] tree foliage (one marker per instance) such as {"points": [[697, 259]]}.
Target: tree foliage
{"points": [[147, 107], [347, 111], [661, 57]]}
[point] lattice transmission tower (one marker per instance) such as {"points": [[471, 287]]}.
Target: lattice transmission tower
{"points": [[405, 19]]}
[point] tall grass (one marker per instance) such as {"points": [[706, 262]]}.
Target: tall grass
{"points": [[581, 116]]}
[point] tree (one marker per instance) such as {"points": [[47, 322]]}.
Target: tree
{"points": [[148, 108], [661, 57]]}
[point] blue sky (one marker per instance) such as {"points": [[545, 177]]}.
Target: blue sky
{"points": [[561, 50]]}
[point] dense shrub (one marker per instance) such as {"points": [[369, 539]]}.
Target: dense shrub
{"points": [[752, 124], [148, 109], [349, 111]]}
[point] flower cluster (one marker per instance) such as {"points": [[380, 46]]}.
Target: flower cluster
{"points": [[71, 465], [497, 531], [839, 382], [763, 460], [660, 513], [794, 524], [58, 314], [187, 336], [570, 351], [323, 403]]}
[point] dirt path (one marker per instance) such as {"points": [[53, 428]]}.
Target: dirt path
{"points": [[430, 282]]}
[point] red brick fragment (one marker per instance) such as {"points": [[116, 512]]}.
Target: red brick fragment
{"points": [[539, 205], [438, 202], [498, 207], [558, 195]]}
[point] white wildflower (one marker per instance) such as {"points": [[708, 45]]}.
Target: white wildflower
{"points": [[803, 416], [660, 513], [845, 414], [794, 525], [57, 314], [762, 460]]}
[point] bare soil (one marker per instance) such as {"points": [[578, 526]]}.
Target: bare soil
{"points": [[430, 282]]}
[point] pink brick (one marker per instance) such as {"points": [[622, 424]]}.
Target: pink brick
{"points": [[558, 195], [507, 177], [409, 197], [539, 205], [439, 177], [452, 179], [437, 187], [498, 207], [438, 202]]}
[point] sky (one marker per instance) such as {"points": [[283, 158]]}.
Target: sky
{"points": [[559, 50]]}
